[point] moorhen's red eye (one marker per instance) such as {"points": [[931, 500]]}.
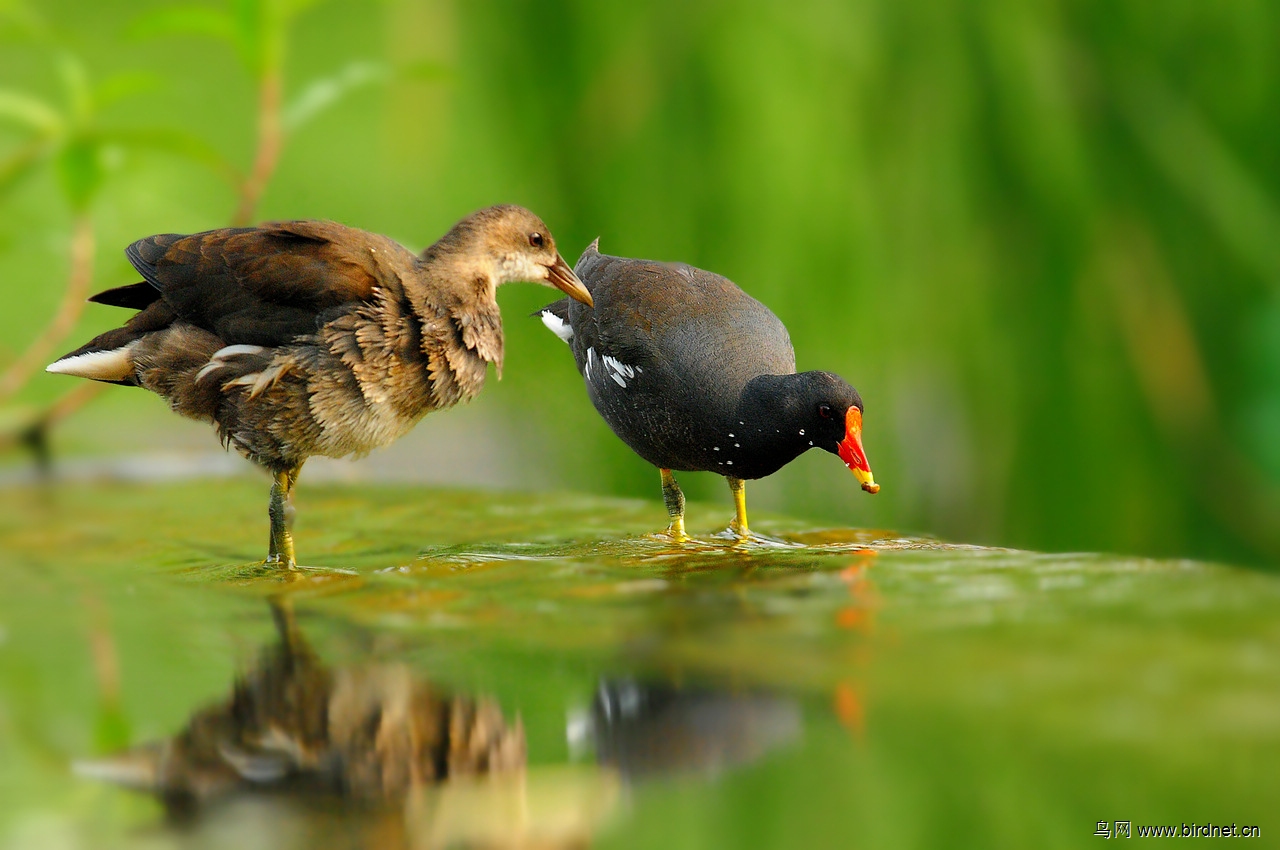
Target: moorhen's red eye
{"points": [[824, 410], [536, 240]]}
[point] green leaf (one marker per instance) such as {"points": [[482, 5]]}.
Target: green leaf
{"points": [[22, 18], [111, 729], [178, 143], [290, 9], [123, 86], [20, 164], [81, 171], [424, 69], [75, 80], [186, 20], [30, 112], [323, 93], [253, 30]]}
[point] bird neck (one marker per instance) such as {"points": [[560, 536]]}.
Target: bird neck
{"points": [[765, 424], [453, 284]]}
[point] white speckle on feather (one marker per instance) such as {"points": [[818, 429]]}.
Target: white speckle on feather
{"points": [[716, 449], [557, 325], [801, 432], [729, 462], [731, 436], [811, 442], [737, 445], [591, 356]]}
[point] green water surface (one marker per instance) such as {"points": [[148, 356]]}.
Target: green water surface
{"points": [[856, 689]]}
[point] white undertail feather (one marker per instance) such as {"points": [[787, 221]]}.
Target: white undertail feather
{"points": [[257, 382], [138, 769], [557, 326], [222, 355], [113, 365]]}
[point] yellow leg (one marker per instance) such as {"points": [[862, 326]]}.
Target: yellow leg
{"points": [[674, 500], [739, 525], [280, 509]]}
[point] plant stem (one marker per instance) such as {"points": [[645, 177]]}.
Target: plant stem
{"points": [[68, 313], [270, 142]]}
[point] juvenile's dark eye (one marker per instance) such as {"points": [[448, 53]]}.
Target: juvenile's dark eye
{"points": [[824, 410], [536, 239]]}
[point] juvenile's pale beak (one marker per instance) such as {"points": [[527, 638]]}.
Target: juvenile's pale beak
{"points": [[850, 451], [562, 277]]}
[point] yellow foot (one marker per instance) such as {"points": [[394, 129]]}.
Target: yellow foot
{"points": [[747, 539], [675, 535]]}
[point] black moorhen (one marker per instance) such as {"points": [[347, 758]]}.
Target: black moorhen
{"points": [[695, 375], [304, 338]]}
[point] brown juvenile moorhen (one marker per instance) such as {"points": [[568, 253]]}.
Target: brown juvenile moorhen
{"points": [[304, 338], [292, 724], [695, 375]]}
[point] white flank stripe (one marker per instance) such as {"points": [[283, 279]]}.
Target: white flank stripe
{"points": [[614, 368], [618, 366], [557, 326], [114, 365]]}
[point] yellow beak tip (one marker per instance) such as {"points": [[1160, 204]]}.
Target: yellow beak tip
{"points": [[866, 479]]}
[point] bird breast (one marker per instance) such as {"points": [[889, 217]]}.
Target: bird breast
{"points": [[362, 381]]}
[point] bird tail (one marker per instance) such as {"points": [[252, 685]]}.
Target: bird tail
{"points": [[102, 359], [556, 317], [108, 357]]}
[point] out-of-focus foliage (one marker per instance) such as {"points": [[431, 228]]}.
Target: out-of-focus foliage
{"points": [[1041, 238]]}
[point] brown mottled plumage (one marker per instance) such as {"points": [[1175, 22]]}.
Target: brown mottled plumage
{"points": [[292, 723], [306, 338]]}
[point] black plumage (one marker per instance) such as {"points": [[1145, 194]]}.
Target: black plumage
{"points": [[696, 375]]}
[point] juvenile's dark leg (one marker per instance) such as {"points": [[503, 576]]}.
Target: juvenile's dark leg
{"points": [[280, 509], [674, 500]]}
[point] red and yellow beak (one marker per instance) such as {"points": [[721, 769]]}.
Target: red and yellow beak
{"points": [[851, 452]]}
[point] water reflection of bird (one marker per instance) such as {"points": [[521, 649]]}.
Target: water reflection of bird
{"points": [[694, 374], [294, 724], [310, 338], [645, 729]]}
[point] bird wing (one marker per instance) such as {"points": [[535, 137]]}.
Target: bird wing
{"points": [[697, 327], [265, 285]]}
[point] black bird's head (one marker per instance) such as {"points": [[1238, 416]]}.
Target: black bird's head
{"points": [[508, 243], [834, 414]]}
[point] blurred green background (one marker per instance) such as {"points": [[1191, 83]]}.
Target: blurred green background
{"points": [[1041, 238]]}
